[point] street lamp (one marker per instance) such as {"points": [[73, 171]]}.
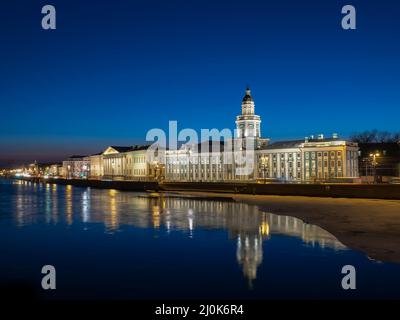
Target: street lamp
{"points": [[374, 162]]}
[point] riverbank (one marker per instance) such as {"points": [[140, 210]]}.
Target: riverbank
{"points": [[362, 191], [367, 225]]}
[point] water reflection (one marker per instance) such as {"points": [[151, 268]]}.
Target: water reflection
{"points": [[245, 224]]}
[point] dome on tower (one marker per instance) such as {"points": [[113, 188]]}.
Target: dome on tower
{"points": [[248, 96]]}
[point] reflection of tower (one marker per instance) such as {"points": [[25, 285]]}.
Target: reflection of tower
{"points": [[249, 254]]}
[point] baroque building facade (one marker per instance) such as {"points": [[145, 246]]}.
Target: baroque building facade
{"points": [[308, 160], [116, 163], [247, 157]]}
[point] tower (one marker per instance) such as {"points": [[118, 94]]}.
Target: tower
{"points": [[248, 124]]}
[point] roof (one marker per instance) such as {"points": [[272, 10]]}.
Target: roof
{"points": [[76, 157], [137, 147], [284, 144], [323, 139], [121, 149], [248, 96]]}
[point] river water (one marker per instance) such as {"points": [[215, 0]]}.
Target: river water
{"points": [[114, 244]]}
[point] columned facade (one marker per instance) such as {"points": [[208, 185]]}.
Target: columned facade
{"points": [[307, 160]]}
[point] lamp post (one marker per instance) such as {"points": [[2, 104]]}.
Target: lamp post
{"points": [[374, 162]]}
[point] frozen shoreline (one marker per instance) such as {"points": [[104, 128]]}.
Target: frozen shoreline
{"points": [[368, 225]]}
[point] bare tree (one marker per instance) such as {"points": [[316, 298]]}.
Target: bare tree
{"points": [[375, 136]]}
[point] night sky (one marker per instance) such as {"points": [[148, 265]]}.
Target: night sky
{"points": [[115, 69]]}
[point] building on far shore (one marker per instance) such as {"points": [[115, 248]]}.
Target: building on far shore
{"points": [[96, 166], [76, 167], [313, 159], [309, 160], [55, 170], [131, 163]]}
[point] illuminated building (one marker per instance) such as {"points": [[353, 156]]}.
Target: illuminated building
{"points": [[308, 160], [247, 157], [320, 159], [76, 167], [130, 163], [96, 165]]}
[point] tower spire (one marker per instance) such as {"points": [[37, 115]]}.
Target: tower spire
{"points": [[248, 91]]}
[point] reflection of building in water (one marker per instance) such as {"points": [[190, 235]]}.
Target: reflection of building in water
{"points": [[309, 233], [249, 254], [68, 203], [111, 220], [245, 223]]}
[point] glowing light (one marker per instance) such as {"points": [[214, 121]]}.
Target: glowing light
{"points": [[264, 229], [156, 216]]}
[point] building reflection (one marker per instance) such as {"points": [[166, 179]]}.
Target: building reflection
{"points": [[246, 225], [68, 204]]}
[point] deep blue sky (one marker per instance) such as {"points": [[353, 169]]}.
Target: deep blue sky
{"points": [[115, 69]]}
